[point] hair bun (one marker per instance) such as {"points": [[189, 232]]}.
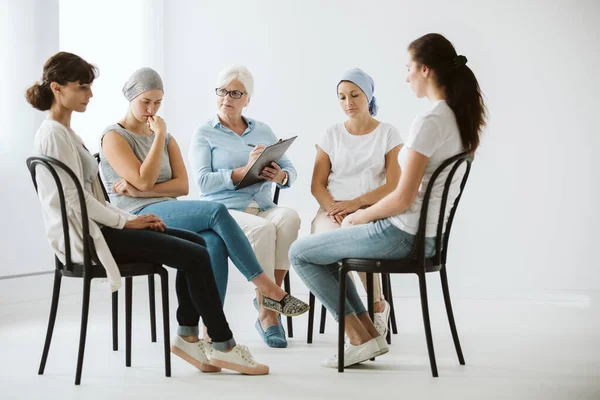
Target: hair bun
{"points": [[459, 61]]}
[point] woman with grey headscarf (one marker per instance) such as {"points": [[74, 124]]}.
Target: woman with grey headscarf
{"points": [[144, 172]]}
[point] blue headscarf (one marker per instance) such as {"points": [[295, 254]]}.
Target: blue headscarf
{"points": [[365, 83]]}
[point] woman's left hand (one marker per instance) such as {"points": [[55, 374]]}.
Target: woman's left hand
{"points": [[125, 188], [273, 173], [343, 207], [358, 218]]}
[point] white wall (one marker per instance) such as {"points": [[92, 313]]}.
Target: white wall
{"points": [[28, 36], [118, 37], [526, 224]]}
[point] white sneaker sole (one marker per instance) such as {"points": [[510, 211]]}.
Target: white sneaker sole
{"points": [[185, 356], [361, 360], [258, 370], [382, 352]]}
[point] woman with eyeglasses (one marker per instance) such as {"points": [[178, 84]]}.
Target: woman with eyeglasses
{"points": [[143, 172], [221, 152]]}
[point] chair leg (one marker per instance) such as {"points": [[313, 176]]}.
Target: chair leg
{"points": [[427, 324], [115, 320], [343, 271], [385, 279], [390, 300], [370, 302], [128, 306], [85, 309], [164, 284], [444, 278], [151, 298], [323, 319], [51, 320], [311, 317], [288, 288]]}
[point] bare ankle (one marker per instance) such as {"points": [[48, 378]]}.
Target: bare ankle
{"points": [[379, 306], [190, 339]]}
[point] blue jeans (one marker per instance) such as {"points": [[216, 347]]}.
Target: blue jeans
{"points": [[217, 227], [315, 258]]}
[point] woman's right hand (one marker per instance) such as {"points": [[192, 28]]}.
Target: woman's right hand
{"points": [[254, 154], [146, 221], [157, 125]]}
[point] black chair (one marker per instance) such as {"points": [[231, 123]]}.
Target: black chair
{"points": [[90, 269], [417, 263], [115, 295], [286, 281], [387, 294]]}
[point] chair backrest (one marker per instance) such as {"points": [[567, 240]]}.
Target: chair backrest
{"points": [[50, 164], [97, 157], [442, 237]]}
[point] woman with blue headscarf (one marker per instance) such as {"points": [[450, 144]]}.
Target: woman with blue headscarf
{"points": [[356, 166]]}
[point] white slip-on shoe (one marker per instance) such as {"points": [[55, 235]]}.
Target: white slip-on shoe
{"points": [[238, 359], [354, 354], [380, 319], [383, 346], [194, 353]]}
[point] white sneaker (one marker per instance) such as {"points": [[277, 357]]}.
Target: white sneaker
{"points": [[383, 346], [238, 359], [380, 319], [194, 353], [354, 354]]}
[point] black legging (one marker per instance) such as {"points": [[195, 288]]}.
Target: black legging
{"points": [[185, 251]]}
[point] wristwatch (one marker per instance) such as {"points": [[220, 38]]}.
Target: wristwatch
{"points": [[285, 179]]}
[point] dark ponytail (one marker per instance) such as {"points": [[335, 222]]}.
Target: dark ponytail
{"points": [[61, 68], [40, 96], [461, 88]]}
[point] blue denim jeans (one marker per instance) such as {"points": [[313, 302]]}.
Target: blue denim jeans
{"points": [[217, 227], [315, 258]]}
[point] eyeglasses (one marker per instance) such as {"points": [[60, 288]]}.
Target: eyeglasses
{"points": [[234, 94]]}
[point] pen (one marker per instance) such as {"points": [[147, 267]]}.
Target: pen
{"points": [[253, 145]]}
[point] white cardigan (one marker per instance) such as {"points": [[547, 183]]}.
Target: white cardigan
{"points": [[55, 140]]}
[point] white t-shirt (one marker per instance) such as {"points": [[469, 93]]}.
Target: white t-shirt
{"points": [[357, 161], [435, 135]]}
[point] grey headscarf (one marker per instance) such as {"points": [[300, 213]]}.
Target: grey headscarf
{"points": [[142, 80]]}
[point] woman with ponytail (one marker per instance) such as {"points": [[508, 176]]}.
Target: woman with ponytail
{"points": [[355, 167], [387, 229]]}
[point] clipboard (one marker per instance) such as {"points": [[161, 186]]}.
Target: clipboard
{"points": [[269, 154]]}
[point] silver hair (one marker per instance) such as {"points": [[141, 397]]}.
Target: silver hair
{"points": [[240, 73]]}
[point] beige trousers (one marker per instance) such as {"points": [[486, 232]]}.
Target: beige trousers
{"points": [[271, 233], [321, 223]]}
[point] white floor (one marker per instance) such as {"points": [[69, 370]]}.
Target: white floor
{"points": [[546, 347]]}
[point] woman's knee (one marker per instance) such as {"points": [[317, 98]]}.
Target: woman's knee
{"points": [[296, 252], [287, 217], [214, 207], [186, 235]]}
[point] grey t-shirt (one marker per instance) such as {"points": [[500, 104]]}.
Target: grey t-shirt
{"points": [[141, 147]]}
